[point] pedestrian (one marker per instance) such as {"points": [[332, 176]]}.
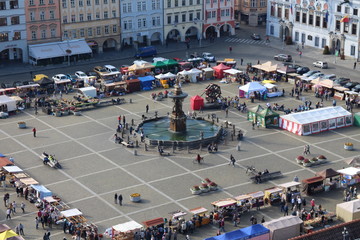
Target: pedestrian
{"points": [[22, 206], [263, 219], [11, 159], [34, 132], [241, 61], [37, 223], [8, 212], [230, 49], [334, 103], [354, 65], [120, 199], [21, 229], [286, 210], [307, 149], [296, 179], [302, 45], [116, 198], [222, 224], [124, 120], [253, 125], [14, 205], [355, 192], [226, 112], [119, 119], [300, 53], [258, 62], [147, 108], [232, 160], [312, 203]]}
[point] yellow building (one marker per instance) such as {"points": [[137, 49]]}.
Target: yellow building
{"points": [[97, 21], [251, 12], [183, 20]]}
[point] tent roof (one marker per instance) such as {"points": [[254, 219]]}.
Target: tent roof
{"points": [[316, 115], [4, 227], [350, 171], [169, 75], [255, 230], [198, 210], [256, 109], [232, 71], [195, 71], [327, 83], [328, 173], [170, 62], [313, 180], [135, 67], [5, 99], [153, 222], [12, 169], [316, 81], [159, 64], [157, 59], [257, 194], [196, 97], [140, 62], [267, 112], [208, 69], [45, 80], [355, 161], [146, 78], [128, 226], [352, 206], [40, 188], [269, 85], [283, 222], [252, 87], [286, 69], [234, 235], [289, 184], [183, 72], [224, 202], [71, 212], [221, 66]]}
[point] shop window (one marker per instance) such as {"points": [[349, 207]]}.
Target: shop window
{"points": [[304, 16], [353, 28], [352, 50], [297, 16], [317, 21], [337, 25]]}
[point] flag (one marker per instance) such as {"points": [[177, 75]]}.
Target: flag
{"points": [[291, 10], [345, 19], [327, 16]]}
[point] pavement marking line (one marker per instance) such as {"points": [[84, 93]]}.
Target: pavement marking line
{"points": [[345, 136]]}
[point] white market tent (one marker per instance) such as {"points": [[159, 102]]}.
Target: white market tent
{"points": [[252, 87], [194, 73], [140, 62], [284, 228], [289, 184], [232, 71], [12, 169], [9, 102], [88, 91], [348, 211], [317, 120], [169, 75], [71, 213], [160, 76], [127, 227], [350, 171]]}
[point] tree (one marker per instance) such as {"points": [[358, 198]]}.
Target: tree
{"points": [[326, 50]]}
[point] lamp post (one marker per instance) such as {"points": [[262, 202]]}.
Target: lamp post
{"points": [[345, 234], [68, 52]]}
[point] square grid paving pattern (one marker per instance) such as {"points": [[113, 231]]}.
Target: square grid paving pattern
{"points": [[95, 168]]}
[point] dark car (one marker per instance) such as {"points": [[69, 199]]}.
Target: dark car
{"points": [[6, 85], [302, 70], [17, 84], [255, 36], [92, 74], [350, 85], [356, 88], [73, 78], [342, 81], [283, 57]]}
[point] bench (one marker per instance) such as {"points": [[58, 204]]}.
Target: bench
{"points": [[267, 176]]}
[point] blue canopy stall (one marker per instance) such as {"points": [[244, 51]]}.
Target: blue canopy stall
{"points": [[146, 82], [254, 232], [41, 191]]}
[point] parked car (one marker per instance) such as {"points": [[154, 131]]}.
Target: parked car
{"points": [[329, 76], [91, 74], [309, 73], [81, 75], [73, 78], [111, 69], [320, 64], [100, 70], [59, 77], [209, 57], [283, 57], [255, 36], [6, 85], [341, 81], [38, 77], [237, 25], [302, 70], [351, 85], [316, 75], [356, 88], [149, 51], [17, 84]]}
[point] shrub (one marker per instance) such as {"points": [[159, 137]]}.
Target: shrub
{"points": [[326, 50], [301, 158], [195, 188], [321, 157], [306, 160]]}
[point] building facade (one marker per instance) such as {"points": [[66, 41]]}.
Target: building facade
{"points": [[13, 44], [97, 21], [219, 18], [317, 24], [183, 20], [141, 22], [42, 21], [251, 12]]}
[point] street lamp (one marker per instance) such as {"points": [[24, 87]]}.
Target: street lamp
{"points": [[345, 234]]}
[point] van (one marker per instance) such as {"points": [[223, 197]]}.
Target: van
{"points": [[320, 64], [146, 52]]}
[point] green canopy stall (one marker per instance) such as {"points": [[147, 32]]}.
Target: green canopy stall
{"points": [[252, 113], [171, 63], [159, 64], [268, 118]]}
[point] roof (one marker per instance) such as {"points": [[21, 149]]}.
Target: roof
{"points": [[221, 66], [153, 222], [350, 171], [316, 115], [224, 203], [252, 87], [267, 112], [126, 227], [273, 190], [5, 99], [71, 212], [198, 210], [40, 188], [146, 78], [283, 222], [5, 162], [313, 179], [328, 173], [232, 71], [244, 233], [256, 194], [333, 233], [352, 206], [255, 230], [12, 169], [289, 184], [256, 109]]}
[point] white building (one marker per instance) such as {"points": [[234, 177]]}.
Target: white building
{"points": [[141, 22], [13, 44], [317, 24]]}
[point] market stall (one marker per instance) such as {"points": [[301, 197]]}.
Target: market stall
{"points": [[153, 222], [4, 161], [253, 113], [331, 178], [230, 62], [146, 83], [73, 215], [88, 91], [24, 182], [196, 102], [124, 231], [219, 70], [266, 67], [208, 73], [194, 74], [254, 232], [268, 118], [349, 176], [312, 185], [200, 212], [115, 88], [250, 88], [272, 90], [290, 189], [27, 89], [257, 199], [243, 202], [232, 75], [352, 96], [339, 92], [12, 169], [272, 195], [316, 120], [7, 91], [41, 191], [348, 211], [185, 66], [7, 104], [284, 228], [292, 78], [224, 203]]}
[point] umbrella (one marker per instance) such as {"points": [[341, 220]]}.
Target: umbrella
{"points": [[354, 161], [7, 234]]}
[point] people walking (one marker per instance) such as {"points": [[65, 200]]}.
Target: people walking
{"points": [[232, 160], [22, 206], [120, 199], [8, 213], [230, 49], [147, 108], [286, 210], [34, 132], [354, 65], [116, 198], [312, 203], [21, 229]]}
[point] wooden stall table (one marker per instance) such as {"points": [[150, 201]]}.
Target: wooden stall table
{"points": [[200, 211], [272, 195], [153, 222], [73, 215], [244, 202]]}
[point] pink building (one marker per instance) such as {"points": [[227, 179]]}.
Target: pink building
{"points": [[42, 21], [218, 18]]}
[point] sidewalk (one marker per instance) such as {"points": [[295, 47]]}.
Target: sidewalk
{"points": [[14, 68]]}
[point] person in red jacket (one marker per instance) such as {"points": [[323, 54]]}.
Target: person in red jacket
{"points": [[34, 132]]}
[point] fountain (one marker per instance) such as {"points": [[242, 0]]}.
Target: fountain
{"points": [[176, 129]]}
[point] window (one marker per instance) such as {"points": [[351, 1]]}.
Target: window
{"points": [[303, 36], [42, 15], [168, 19], [32, 16], [53, 32], [15, 20], [64, 5], [153, 20], [311, 19], [97, 2], [198, 15], [106, 29], [317, 39], [52, 14], [227, 12], [191, 16], [105, 1], [144, 6], [198, 2], [346, 27], [157, 4], [82, 32], [304, 15], [98, 30], [114, 13], [124, 7], [208, 14], [113, 1], [17, 36], [139, 6], [337, 25], [347, 10], [272, 11], [262, 3], [169, 3], [153, 4], [73, 19], [279, 12], [158, 23], [81, 17], [355, 12], [183, 2], [310, 37], [97, 15], [2, 6], [338, 8], [81, 3], [213, 14], [183, 18], [139, 23], [89, 16], [64, 19], [125, 25], [41, 2], [286, 13], [253, 3], [43, 34], [176, 3], [72, 3], [130, 24], [297, 16], [73, 33], [297, 36], [353, 28], [272, 30], [51, 1], [352, 50], [88, 2], [317, 21], [66, 34], [114, 29], [176, 19], [323, 42], [31, 3], [33, 35], [3, 22], [106, 15], [90, 32], [129, 7], [222, 12], [144, 22], [191, 2], [4, 37], [324, 22]]}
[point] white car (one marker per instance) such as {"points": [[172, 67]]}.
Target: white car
{"points": [[111, 69], [314, 76], [208, 57], [320, 64], [81, 75], [60, 77]]}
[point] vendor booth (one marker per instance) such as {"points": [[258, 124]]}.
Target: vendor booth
{"points": [[185, 66], [244, 203], [115, 88], [88, 91], [254, 232], [312, 185], [27, 89], [7, 104], [146, 83], [133, 85], [348, 211], [194, 74], [224, 203], [256, 199], [208, 73], [284, 228], [272, 90], [73, 215], [349, 176], [12, 169], [266, 67], [219, 70], [253, 113], [331, 178], [272, 195], [196, 103], [153, 222], [232, 75], [317, 120], [352, 96], [27, 181], [4, 161], [268, 118], [353, 161], [250, 88], [200, 215], [339, 92], [290, 189], [125, 231], [41, 191]]}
